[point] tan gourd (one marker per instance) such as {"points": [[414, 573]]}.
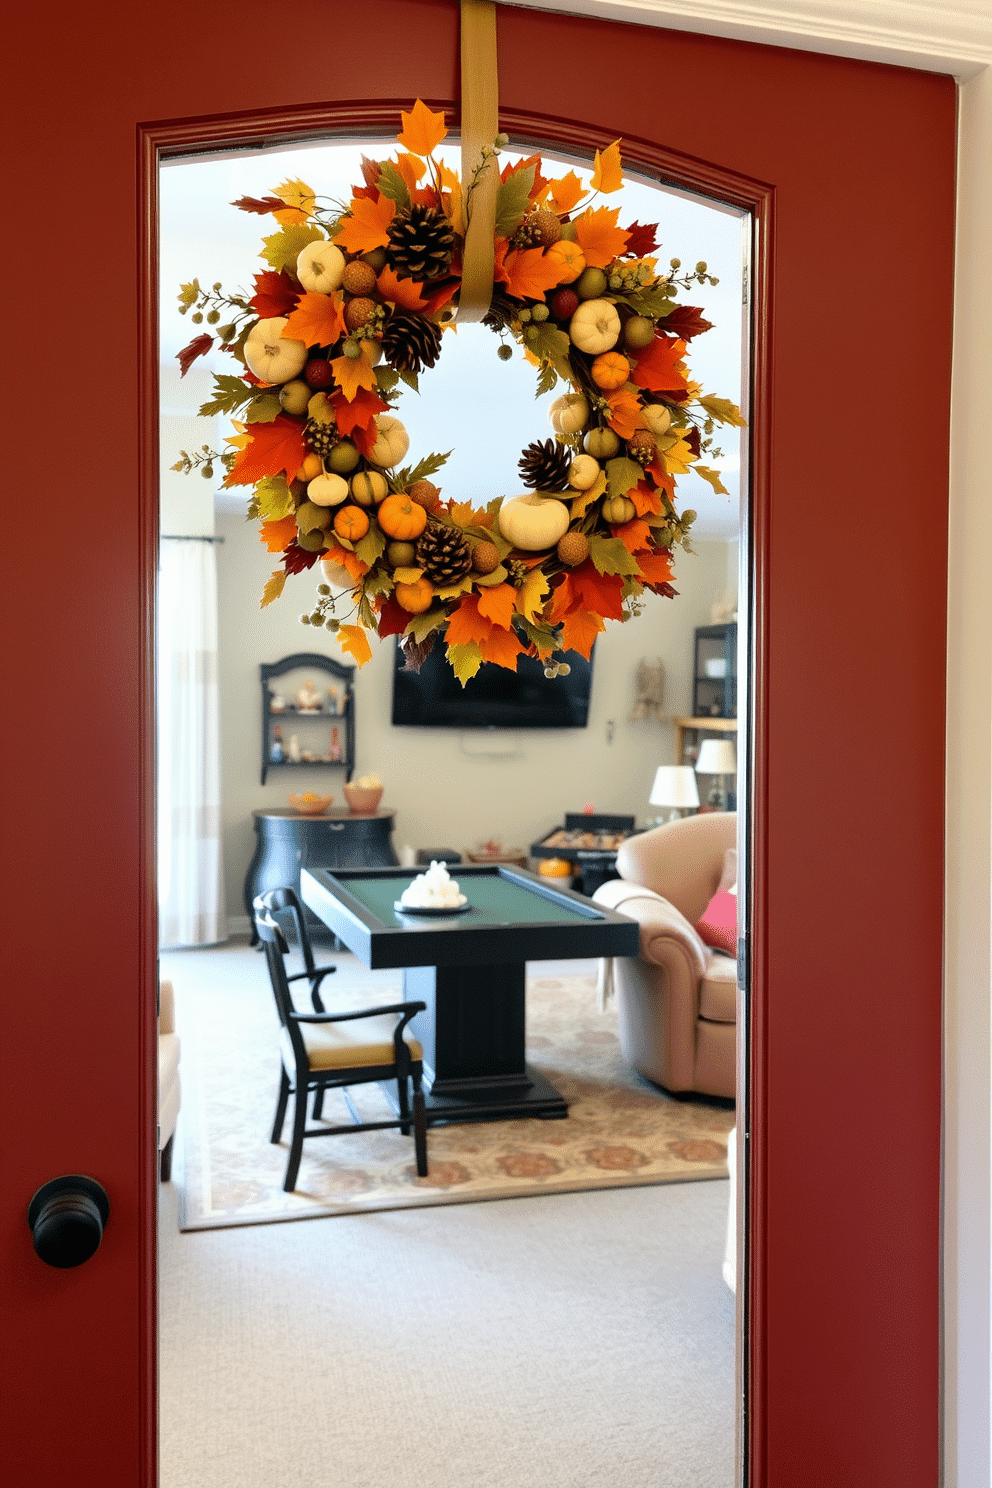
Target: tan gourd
{"points": [[602, 443], [270, 355], [327, 490], [336, 574], [595, 326], [657, 419], [320, 266], [533, 522], [392, 442], [619, 509], [368, 486], [569, 413], [583, 473]]}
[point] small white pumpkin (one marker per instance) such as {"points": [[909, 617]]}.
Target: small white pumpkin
{"points": [[327, 490], [392, 442], [569, 413], [583, 473], [320, 266], [595, 326], [368, 486], [657, 419], [532, 522], [270, 355], [336, 574]]}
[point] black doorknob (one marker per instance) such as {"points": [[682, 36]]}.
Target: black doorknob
{"points": [[67, 1217]]}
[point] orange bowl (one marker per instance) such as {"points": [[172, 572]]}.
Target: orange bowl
{"points": [[362, 801], [310, 804]]}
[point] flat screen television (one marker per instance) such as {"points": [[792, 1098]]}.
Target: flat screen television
{"points": [[495, 698]]}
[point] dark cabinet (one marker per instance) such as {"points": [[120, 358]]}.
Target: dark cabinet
{"points": [[318, 728], [714, 671]]}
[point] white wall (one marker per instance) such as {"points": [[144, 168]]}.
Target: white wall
{"points": [[448, 788]]}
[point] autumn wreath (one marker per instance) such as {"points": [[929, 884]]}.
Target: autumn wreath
{"points": [[352, 308]]}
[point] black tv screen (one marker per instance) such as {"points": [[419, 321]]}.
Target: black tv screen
{"points": [[495, 698]]}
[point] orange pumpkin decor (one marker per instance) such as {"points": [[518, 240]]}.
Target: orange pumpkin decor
{"points": [[415, 598], [610, 371], [351, 522], [401, 517], [568, 259]]}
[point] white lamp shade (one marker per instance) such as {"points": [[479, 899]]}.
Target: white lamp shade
{"points": [[674, 785], [716, 757]]}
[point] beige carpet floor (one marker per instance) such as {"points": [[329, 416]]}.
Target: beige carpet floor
{"points": [[620, 1131]]}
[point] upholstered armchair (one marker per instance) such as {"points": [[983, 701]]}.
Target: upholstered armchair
{"points": [[676, 1000], [168, 1078]]}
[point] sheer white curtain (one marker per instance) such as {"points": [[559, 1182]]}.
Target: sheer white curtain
{"points": [[190, 878]]}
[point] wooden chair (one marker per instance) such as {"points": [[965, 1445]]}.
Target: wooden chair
{"points": [[285, 901], [325, 1051]]}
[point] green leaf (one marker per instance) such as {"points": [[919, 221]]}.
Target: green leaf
{"points": [[379, 581], [421, 626], [713, 478], [465, 661], [542, 636], [487, 581], [402, 479], [551, 345], [366, 614], [274, 498], [385, 380], [253, 510], [390, 183], [283, 248], [371, 546], [622, 475], [547, 380], [513, 200], [263, 409], [410, 378], [723, 411], [654, 303], [230, 394], [273, 587], [609, 556]]}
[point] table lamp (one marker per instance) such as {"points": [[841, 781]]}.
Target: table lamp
{"points": [[717, 757], [674, 787]]}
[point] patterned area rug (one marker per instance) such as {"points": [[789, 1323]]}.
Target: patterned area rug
{"points": [[620, 1130]]}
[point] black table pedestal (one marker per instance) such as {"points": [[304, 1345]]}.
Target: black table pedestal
{"points": [[473, 1036]]}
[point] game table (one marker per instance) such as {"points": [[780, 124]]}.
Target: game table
{"points": [[470, 970]]}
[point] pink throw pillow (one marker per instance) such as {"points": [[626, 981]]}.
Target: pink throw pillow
{"points": [[718, 926]]}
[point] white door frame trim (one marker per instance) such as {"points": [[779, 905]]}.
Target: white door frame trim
{"points": [[954, 39]]}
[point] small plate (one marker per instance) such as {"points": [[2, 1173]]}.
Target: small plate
{"points": [[434, 911]]}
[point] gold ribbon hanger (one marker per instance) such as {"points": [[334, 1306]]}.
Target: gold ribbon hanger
{"points": [[480, 173]]}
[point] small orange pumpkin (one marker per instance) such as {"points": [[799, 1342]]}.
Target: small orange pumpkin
{"points": [[351, 522], [610, 371], [568, 259], [415, 598], [399, 516]]}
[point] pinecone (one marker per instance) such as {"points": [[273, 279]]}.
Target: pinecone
{"points": [[502, 310], [421, 243], [320, 437], [544, 465], [444, 554], [410, 343]]}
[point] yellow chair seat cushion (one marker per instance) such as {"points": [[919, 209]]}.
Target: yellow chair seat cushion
{"points": [[365, 1041]]}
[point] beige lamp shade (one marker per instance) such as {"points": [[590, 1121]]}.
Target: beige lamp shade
{"points": [[674, 785], [716, 757]]}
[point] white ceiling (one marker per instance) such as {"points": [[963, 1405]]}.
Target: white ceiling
{"points": [[471, 402]]}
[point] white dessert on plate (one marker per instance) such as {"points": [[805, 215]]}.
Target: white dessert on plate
{"points": [[434, 889]]}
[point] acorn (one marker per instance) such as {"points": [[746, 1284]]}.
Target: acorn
{"points": [[358, 278], [358, 312], [426, 494], [641, 446], [485, 557], [573, 549]]}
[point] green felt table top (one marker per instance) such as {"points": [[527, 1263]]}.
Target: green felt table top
{"points": [[493, 901]]}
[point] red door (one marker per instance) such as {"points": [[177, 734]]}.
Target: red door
{"points": [[849, 167]]}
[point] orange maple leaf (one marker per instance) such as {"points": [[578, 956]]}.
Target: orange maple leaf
{"points": [[563, 599], [444, 294], [502, 647], [367, 225], [501, 246], [357, 417], [635, 535], [655, 368], [656, 567], [318, 320], [625, 412], [277, 536], [347, 560], [498, 604], [600, 594], [422, 130], [566, 192], [528, 273], [579, 631], [466, 624], [598, 236], [645, 500], [411, 168], [402, 292], [607, 173], [352, 373], [353, 639], [467, 515], [274, 449]]}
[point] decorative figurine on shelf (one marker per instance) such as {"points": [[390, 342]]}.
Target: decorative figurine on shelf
{"points": [[335, 699], [293, 749], [308, 698], [649, 680], [334, 754], [276, 751], [277, 703]]}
